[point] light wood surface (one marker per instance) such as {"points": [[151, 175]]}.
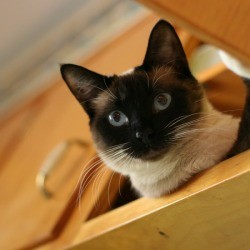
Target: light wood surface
{"points": [[210, 212], [21, 201], [226, 91], [210, 73], [222, 23], [30, 134]]}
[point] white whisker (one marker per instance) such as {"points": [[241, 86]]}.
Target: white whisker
{"points": [[96, 183], [111, 93], [109, 188]]}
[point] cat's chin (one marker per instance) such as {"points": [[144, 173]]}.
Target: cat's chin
{"points": [[151, 155]]}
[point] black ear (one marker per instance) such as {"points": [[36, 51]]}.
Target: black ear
{"points": [[84, 84], [165, 49]]}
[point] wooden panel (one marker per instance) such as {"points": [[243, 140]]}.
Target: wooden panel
{"points": [[210, 212], [222, 23], [21, 201], [14, 133], [129, 49], [29, 135], [125, 52], [210, 73], [226, 92]]}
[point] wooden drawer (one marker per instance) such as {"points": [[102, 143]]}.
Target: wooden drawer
{"points": [[222, 23], [27, 138], [210, 212]]}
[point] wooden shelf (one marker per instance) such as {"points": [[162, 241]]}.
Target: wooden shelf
{"points": [[224, 24]]}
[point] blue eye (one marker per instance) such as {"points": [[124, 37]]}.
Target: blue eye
{"points": [[162, 101], [117, 118]]}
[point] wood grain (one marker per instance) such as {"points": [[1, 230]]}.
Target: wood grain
{"points": [[21, 201], [222, 23], [31, 133], [209, 212], [226, 92]]}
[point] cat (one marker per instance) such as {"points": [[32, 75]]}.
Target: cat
{"points": [[154, 123]]}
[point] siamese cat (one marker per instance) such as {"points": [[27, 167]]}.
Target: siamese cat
{"points": [[154, 123]]}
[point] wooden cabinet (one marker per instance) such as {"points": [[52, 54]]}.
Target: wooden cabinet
{"points": [[210, 212], [212, 208], [29, 219], [222, 23]]}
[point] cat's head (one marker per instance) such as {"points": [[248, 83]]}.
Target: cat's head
{"points": [[137, 114]]}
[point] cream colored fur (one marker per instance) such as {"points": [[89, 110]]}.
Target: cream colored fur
{"points": [[198, 149]]}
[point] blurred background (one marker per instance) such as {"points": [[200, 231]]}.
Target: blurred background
{"points": [[38, 35]]}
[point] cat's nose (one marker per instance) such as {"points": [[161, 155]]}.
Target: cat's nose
{"points": [[144, 136]]}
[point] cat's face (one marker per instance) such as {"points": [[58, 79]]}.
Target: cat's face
{"points": [[139, 113]]}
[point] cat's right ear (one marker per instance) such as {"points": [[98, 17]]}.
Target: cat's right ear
{"points": [[85, 84], [165, 49]]}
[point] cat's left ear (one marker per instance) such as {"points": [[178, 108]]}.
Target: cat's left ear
{"points": [[165, 49], [85, 85]]}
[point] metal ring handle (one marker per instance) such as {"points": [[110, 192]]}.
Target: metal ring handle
{"points": [[52, 161]]}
